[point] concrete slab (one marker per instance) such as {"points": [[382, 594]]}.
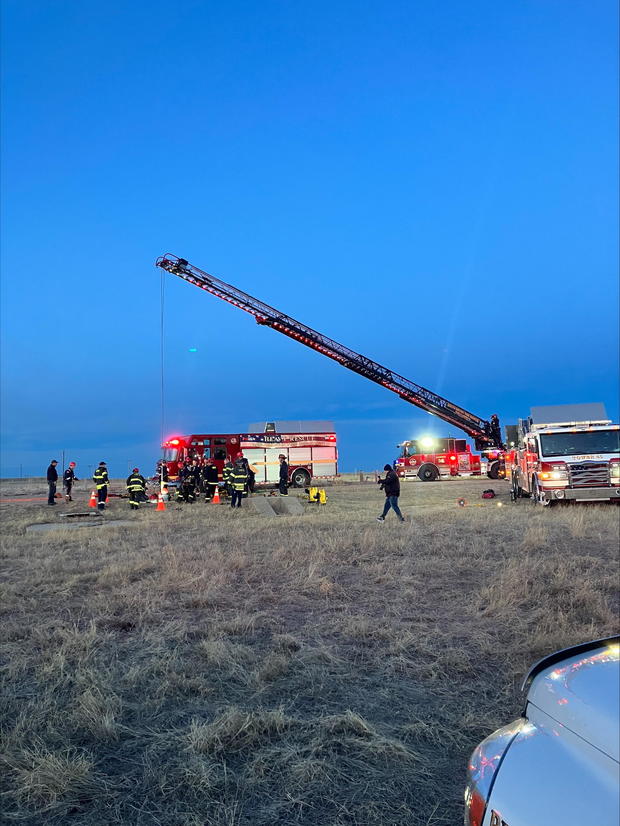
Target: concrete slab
{"points": [[287, 505], [43, 527], [261, 505]]}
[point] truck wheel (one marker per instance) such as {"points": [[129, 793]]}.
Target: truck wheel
{"points": [[300, 478], [428, 472], [535, 496], [493, 471]]}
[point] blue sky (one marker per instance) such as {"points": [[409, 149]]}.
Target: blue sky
{"points": [[434, 185]]}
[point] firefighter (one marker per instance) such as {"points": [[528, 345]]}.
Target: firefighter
{"points": [[250, 470], [187, 489], [136, 485], [251, 477], [162, 470], [226, 473], [238, 481], [101, 480], [52, 478], [68, 478], [496, 431], [391, 486], [196, 473], [283, 482], [209, 479]]}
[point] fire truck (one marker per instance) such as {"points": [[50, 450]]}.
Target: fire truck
{"points": [[486, 434], [429, 459], [310, 448], [567, 453]]}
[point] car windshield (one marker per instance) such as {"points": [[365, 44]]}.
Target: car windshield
{"points": [[583, 442], [170, 454]]}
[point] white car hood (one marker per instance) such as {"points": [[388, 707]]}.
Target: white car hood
{"points": [[582, 692]]}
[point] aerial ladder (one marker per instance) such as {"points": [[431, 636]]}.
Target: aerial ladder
{"points": [[486, 434]]}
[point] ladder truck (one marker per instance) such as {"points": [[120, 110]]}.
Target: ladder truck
{"points": [[486, 434]]}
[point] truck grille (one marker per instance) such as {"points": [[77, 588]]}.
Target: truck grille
{"points": [[589, 474]]}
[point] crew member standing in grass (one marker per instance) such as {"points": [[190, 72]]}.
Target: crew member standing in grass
{"points": [[226, 474], [283, 483], [238, 481], [101, 480], [136, 485], [52, 478], [209, 479], [68, 478], [391, 486]]}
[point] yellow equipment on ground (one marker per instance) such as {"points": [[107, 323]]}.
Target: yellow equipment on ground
{"points": [[317, 495]]}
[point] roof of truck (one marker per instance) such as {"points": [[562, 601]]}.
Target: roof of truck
{"points": [[570, 414]]}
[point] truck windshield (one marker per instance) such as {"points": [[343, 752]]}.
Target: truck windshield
{"points": [[170, 454], [575, 444]]}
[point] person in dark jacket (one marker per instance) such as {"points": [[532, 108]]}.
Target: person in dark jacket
{"points": [[52, 478], [187, 484], [283, 481], [136, 485], [68, 478], [238, 481], [226, 474], [391, 486], [209, 479], [196, 473], [101, 480]]}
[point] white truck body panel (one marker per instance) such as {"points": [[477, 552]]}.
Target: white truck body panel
{"points": [[562, 767]]}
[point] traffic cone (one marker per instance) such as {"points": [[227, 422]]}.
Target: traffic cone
{"points": [[92, 502], [216, 497], [160, 503]]}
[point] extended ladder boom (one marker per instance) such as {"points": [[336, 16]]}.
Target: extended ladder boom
{"points": [[479, 429]]}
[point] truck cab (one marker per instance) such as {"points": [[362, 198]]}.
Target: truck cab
{"points": [[577, 459]]}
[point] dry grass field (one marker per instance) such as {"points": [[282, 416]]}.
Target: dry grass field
{"points": [[214, 668]]}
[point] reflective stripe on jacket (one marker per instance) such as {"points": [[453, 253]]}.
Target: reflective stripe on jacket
{"points": [[100, 477], [239, 477], [136, 482]]}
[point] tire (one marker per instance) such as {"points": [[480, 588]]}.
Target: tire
{"points": [[493, 471], [535, 495], [300, 478], [428, 472]]}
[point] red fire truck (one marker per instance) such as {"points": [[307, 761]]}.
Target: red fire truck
{"points": [[310, 448], [430, 458]]}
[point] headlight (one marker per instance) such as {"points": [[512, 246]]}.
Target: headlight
{"points": [[481, 770], [614, 469]]}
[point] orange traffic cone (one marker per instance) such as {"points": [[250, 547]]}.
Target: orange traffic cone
{"points": [[216, 497], [92, 502], [160, 503]]}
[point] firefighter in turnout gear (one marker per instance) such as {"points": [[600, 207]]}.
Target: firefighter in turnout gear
{"points": [[136, 485], [101, 480], [68, 478], [187, 488], [226, 474], [283, 478], [209, 479], [238, 482]]}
